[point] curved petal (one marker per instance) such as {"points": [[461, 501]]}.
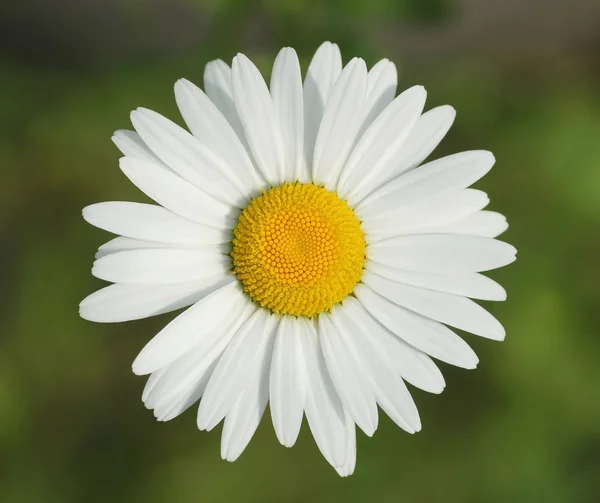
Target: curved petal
{"points": [[217, 85], [177, 195], [324, 410], [442, 253], [186, 155], [189, 329], [412, 365], [131, 145], [487, 224], [287, 382], [122, 244], [350, 462], [453, 310], [424, 334], [448, 174], [247, 348], [160, 266], [116, 303], [340, 125], [382, 81], [152, 223], [255, 108], [389, 388], [212, 129], [381, 142], [474, 285], [402, 219], [321, 76], [348, 376]]}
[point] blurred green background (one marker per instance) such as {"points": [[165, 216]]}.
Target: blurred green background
{"points": [[524, 76]]}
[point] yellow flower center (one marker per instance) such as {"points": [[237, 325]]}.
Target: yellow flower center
{"points": [[298, 249]]}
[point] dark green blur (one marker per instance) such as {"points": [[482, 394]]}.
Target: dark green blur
{"points": [[523, 427]]}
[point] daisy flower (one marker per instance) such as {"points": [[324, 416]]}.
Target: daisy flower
{"points": [[321, 264]]}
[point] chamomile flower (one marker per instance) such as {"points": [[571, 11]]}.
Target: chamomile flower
{"points": [[320, 262]]}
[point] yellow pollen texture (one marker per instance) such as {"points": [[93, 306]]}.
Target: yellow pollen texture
{"points": [[298, 249]]}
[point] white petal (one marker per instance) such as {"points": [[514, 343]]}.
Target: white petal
{"points": [[487, 224], [212, 129], [424, 334], [390, 391], [412, 365], [424, 214], [130, 143], [442, 253], [243, 419], [188, 376], [255, 108], [348, 376], [117, 303], [287, 382], [177, 195], [350, 462], [340, 125], [286, 90], [438, 177], [474, 285], [237, 364], [189, 329], [121, 244], [160, 266], [151, 383], [324, 410], [321, 76], [217, 85], [152, 223], [382, 81], [453, 310], [185, 155], [381, 142]]}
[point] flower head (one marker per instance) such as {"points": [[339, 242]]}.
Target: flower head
{"points": [[320, 263]]}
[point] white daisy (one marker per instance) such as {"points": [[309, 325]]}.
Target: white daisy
{"points": [[322, 264]]}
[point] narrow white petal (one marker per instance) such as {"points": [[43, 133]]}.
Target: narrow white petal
{"points": [[243, 419], [121, 244], [422, 333], [382, 81], [411, 364], [255, 108], [420, 215], [188, 375], [487, 224], [351, 381], [237, 364], [350, 462], [287, 382], [324, 410], [117, 303], [381, 142], [340, 125], [286, 89], [474, 285], [321, 76], [442, 253], [151, 383], [390, 391], [177, 195], [217, 85], [130, 143], [453, 310], [212, 129], [435, 178], [152, 223], [160, 266], [185, 155], [189, 329]]}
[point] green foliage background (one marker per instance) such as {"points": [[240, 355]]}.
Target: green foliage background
{"points": [[523, 427]]}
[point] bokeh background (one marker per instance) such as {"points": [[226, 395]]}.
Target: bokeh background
{"points": [[524, 76]]}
